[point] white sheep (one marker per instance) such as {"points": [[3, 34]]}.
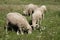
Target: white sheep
{"points": [[19, 20], [37, 16], [29, 9]]}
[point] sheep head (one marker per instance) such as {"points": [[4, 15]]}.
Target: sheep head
{"points": [[43, 8]]}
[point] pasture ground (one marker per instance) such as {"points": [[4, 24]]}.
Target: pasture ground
{"points": [[51, 21]]}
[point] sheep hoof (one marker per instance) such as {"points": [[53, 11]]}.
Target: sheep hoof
{"points": [[43, 28], [29, 32], [17, 33], [22, 33]]}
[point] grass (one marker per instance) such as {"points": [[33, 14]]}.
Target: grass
{"points": [[18, 2], [51, 21]]}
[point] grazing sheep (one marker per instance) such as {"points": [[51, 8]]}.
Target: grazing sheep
{"points": [[37, 16], [19, 20], [29, 9]]}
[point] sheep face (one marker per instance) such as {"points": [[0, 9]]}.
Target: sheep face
{"points": [[29, 29], [43, 7]]}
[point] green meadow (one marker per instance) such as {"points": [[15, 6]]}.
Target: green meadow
{"points": [[51, 20]]}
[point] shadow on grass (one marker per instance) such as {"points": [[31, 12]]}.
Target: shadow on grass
{"points": [[11, 26]]}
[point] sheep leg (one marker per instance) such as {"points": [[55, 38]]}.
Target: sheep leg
{"points": [[43, 16], [34, 24], [7, 26], [6, 29], [41, 21], [21, 30], [38, 24], [29, 30], [18, 32]]}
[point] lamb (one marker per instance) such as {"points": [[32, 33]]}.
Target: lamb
{"points": [[19, 20], [30, 9], [37, 16]]}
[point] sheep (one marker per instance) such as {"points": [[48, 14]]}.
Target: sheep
{"points": [[29, 9], [19, 20], [37, 16]]}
